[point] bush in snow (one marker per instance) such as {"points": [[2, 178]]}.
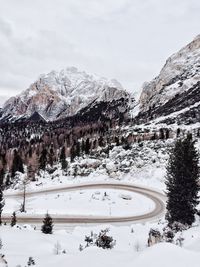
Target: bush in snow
{"points": [[154, 237], [89, 240], [13, 219], [102, 240], [80, 247], [31, 261], [168, 235], [179, 241]]}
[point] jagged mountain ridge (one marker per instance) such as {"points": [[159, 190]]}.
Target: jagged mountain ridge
{"points": [[174, 94], [175, 89], [62, 94]]}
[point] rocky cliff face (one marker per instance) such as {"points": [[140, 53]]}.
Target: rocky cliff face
{"points": [[176, 88], [60, 94]]}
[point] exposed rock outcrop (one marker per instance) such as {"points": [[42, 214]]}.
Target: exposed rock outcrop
{"points": [[176, 88]]}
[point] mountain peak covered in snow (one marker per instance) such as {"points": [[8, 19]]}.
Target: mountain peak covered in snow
{"points": [[59, 94], [177, 86]]}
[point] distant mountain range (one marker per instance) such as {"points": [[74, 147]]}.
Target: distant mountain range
{"points": [[172, 97]]}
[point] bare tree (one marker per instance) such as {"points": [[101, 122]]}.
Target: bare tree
{"points": [[24, 184]]}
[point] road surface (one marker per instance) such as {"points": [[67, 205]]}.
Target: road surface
{"points": [[156, 213]]}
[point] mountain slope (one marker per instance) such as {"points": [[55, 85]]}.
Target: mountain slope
{"points": [[60, 94], [176, 88]]}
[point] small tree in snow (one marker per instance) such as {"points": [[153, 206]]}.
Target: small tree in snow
{"points": [[89, 240], [104, 241], [80, 247], [31, 261], [24, 184], [179, 241], [47, 227], [168, 235], [57, 248], [13, 219], [154, 237]]}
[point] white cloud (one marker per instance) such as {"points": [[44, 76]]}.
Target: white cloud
{"points": [[125, 39]]}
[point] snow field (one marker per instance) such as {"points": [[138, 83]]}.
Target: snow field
{"points": [[130, 250], [98, 202]]}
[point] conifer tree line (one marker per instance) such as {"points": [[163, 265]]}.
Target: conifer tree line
{"points": [[182, 182], [38, 145]]}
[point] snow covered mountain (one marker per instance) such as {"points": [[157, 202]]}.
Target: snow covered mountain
{"points": [[175, 92], [59, 94]]}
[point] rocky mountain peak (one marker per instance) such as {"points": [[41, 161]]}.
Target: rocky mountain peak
{"points": [[64, 93], [179, 76]]}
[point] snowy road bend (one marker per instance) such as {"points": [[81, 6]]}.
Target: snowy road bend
{"points": [[156, 213]]}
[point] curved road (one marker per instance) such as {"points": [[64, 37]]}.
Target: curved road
{"points": [[155, 196]]}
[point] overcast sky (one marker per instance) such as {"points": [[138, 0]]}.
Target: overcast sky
{"points": [[124, 39]]}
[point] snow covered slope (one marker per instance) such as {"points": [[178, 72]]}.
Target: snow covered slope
{"points": [[60, 94], [176, 87]]}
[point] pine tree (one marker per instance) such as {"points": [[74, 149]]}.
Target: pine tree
{"points": [[72, 153], [117, 140], [161, 133], [43, 159], [83, 146], [47, 227], [13, 219], [78, 149], [64, 163], [87, 146], [182, 182], [167, 134], [17, 165], [51, 157], [2, 175], [101, 141]]}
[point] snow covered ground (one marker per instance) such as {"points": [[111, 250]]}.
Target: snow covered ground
{"points": [[130, 250], [99, 202], [147, 168]]}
